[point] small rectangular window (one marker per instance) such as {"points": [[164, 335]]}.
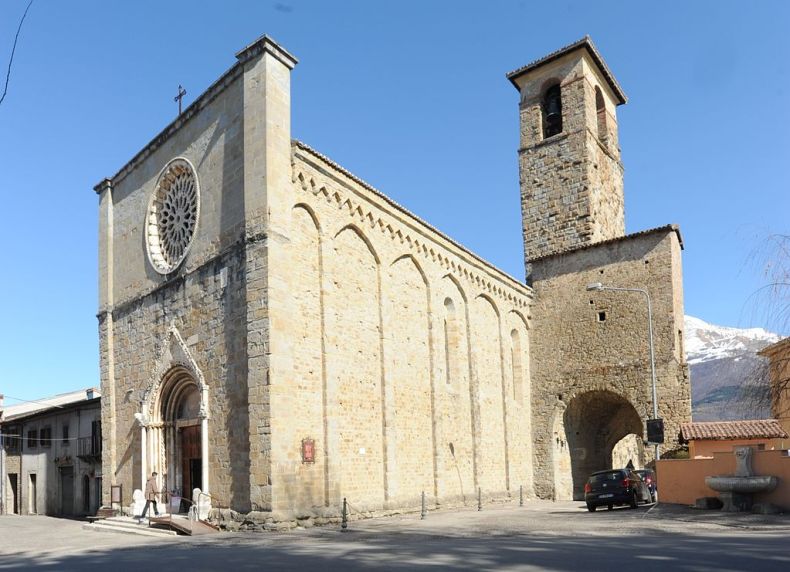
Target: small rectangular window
{"points": [[601, 316], [12, 439], [32, 439], [45, 437], [65, 434]]}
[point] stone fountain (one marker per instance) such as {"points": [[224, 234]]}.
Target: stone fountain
{"points": [[736, 491]]}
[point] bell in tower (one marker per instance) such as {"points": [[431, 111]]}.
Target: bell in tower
{"points": [[552, 111]]}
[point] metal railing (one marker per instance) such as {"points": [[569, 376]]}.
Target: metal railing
{"points": [[193, 507], [89, 446]]}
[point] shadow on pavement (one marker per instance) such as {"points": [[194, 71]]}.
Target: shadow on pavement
{"points": [[329, 549]]}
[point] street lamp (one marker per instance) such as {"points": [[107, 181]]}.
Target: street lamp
{"points": [[598, 287]]}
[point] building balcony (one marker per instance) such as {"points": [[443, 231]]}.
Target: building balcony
{"points": [[89, 448]]}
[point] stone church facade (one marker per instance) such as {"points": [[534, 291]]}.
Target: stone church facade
{"points": [[281, 335]]}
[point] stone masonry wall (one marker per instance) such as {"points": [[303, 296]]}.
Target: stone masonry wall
{"points": [[572, 182], [205, 299], [208, 309], [215, 310], [605, 362], [212, 141], [403, 361]]}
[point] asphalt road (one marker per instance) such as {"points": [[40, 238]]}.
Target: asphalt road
{"points": [[540, 536]]}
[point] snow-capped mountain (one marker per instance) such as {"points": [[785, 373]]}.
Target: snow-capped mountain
{"points": [[721, 361], [706, 342]]}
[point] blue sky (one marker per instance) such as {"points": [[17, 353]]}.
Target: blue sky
{"points": [[410, 96]]}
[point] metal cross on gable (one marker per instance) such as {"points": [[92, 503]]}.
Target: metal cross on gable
{"points": [[181, 93]]}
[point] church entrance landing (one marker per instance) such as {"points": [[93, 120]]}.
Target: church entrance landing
{"points": [[593, 426]]}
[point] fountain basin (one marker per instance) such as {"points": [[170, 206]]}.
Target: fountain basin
{"points": [[742, 485], [736, 491]]}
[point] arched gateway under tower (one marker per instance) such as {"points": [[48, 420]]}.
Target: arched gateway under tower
{"points": [[586, 433]]}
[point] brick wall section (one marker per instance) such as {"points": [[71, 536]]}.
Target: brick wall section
{"points": [[354, 366]]}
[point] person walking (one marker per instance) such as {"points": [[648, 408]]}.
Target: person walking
{"points": [[150, 495]]}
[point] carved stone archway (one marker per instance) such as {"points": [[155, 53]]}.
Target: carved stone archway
{"points": [[176, 383]]}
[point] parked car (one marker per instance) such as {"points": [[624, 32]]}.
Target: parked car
{"points": [[649, 476], [615, 487]]}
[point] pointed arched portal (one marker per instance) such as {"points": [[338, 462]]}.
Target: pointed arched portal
{"points": [[179, 416], [594, 422], [174, 421]]}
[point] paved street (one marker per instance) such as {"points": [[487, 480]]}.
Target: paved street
{"points": [[540, 536]]}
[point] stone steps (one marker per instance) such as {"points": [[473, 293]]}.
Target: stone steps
{"points": [[128, 525]]}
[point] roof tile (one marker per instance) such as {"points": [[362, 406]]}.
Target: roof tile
{"points": [[585, 42], [720, 430]]}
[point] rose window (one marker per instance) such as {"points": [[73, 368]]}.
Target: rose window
{"points": [[172, 216]]}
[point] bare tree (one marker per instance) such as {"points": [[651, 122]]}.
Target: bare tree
{"points": [[779, 387], [754, 394], [765, 386]]}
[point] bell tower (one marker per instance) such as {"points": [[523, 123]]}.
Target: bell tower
{"points": [[570, 173]]}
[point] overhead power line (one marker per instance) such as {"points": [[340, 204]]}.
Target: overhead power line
{"points": [[44, 403], [13, 50]]}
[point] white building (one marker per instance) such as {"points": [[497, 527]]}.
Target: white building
{"points": [[50, 459]]}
